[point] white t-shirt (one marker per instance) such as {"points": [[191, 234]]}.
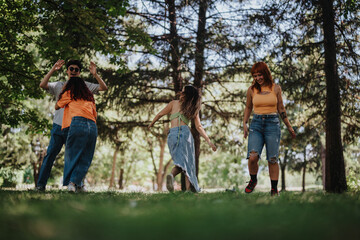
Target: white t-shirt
{"points": [[55, 89]]}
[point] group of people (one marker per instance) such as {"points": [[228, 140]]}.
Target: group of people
{"points": [[75, 126]]}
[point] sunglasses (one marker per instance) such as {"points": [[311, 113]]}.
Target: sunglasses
{"points": [[74, 69]]}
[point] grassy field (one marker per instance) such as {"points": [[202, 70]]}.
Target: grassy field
{"points": [[220, 215]]}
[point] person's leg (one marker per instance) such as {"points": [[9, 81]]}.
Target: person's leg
{"points": [[57, 140], [84, 162], [187, 184], [175, 171], [73, 149], [255, 146], [273, 170], [253, 163], [274, 176], [170, 178], [272, 142]]}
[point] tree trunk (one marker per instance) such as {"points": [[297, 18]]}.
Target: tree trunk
{"points": [[121, 178], [335, 179], [113, 168], [162, 141], [37, 165], [174, 46], [304, 170], [199, 71], [323, 163], [175, 59], [282, 168], [303, 176], [166, 168]]}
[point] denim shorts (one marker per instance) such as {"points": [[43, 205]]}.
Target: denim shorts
{"points": [[265, 129]]}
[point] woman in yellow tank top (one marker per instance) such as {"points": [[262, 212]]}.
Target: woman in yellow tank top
{"points": [[264, 96], [180, 139]]}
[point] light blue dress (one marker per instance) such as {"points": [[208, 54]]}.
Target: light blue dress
{"points": [[182, 149]]}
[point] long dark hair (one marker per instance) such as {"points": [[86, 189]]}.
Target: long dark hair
{"points": [[261, 67], [78, 90], [190, 101]]}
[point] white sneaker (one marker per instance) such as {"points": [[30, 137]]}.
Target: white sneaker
{"points": [[71, 187], [170, 182]]}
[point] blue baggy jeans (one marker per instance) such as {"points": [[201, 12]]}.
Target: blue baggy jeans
{"points": [[79, 150], [57, 140], [265, 130]]}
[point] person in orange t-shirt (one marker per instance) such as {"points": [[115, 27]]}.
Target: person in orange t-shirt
{"points": [[80, 116], [264, 96]]}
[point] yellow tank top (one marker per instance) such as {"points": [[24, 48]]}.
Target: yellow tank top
{"points": [[266, 101]]}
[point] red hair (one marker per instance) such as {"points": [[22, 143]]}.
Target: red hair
{"points": [[261, 67]]}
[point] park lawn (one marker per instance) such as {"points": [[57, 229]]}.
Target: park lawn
{"points": [[220, 215]]}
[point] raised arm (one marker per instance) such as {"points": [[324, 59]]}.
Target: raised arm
{"points": [[163, 112], [101, 82], [44, 82], [282, 111], [202, 132], [248, 110]]}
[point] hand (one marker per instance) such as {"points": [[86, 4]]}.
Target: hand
{"points": [[246, 131], [212, 146], [292, 132], [92, 68], [58, 65]]}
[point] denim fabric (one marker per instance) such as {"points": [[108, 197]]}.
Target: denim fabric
{"points": [[265, 129], [79, 150], [182, 150], [57, 140]]}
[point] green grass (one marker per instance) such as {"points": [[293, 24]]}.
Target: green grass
{"points": [[221, 215]]}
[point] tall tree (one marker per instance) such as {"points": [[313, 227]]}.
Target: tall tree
{"points": [[199, 70], [335, 179]]}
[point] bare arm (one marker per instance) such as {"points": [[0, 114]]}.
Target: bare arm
{"points": [[282, 111], [44, 82], [101, 82], [57, 106], [248, 110], [202, 132], [163, 112]]}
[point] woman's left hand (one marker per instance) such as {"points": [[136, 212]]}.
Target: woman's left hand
{"points": [[292, 132]]}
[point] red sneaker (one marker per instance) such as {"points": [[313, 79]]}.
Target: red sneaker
{"points": [[274, 192], [250, 187]]}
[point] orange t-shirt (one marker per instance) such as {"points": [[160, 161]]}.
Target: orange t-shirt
{"points": [[78, 108], [266, 101]]}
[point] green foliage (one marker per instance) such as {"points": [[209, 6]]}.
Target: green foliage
{"points": [[222, 170], [78, 29], [353, 179], [9, 177], [18, 72]]}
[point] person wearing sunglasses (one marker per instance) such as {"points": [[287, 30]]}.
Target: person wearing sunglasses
{"points": [[58, 136]]}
